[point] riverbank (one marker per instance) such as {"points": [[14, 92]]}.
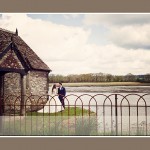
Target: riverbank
{"points": [[98, 84]]}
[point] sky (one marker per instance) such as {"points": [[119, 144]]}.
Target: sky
{"points": [[76, 43]]}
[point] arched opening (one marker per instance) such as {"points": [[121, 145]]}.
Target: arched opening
{"points": [[12, 83]]}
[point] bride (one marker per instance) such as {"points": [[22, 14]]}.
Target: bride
{"points": [[53, 104]]}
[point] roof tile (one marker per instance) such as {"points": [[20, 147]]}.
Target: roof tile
{"points": [[28, 54]]}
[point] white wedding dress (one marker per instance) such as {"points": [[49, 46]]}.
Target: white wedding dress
{"points": [[53, 104]]}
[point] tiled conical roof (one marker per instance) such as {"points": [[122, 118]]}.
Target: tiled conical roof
{"points": [[30, 57]]}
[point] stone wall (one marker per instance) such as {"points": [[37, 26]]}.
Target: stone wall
{"points": [[36, 85], [12, 84]]}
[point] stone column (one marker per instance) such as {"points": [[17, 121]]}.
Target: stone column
{"points": [[23, 94], [1, 102], [1, 93]]}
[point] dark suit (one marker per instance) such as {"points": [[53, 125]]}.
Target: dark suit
{"points": [[61, 95]]}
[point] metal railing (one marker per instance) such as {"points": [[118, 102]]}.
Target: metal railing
{"points": [[99, 114]]}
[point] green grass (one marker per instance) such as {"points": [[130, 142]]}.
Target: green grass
{"points": [[86, 127], [30, 127], [52, 124], [59, 123], [69, 111]]}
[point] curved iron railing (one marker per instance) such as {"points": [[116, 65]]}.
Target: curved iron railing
{"points": [[110, 122]]}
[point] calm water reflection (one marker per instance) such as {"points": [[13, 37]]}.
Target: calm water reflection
{"points": [[111, 89], [133, 99]]}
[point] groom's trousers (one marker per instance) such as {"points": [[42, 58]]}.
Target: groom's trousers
{"points": [[62, 101]]}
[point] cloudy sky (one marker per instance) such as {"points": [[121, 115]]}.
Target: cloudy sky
{"points": [[86, 43]]}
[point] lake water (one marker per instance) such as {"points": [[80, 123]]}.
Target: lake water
{"points": [[132, 94], [110, 89], [103, 105]]}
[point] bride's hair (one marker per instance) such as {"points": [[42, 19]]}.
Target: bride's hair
{"points": [[54, 87]]}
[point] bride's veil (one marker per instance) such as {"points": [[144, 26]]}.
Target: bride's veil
{"points": [[50, 94], [54, 92], [50, 90]]}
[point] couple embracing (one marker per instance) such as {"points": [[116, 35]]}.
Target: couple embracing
{"points": [[58, 104]]}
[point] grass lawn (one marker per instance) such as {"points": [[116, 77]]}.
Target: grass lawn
{"points": [[105, 84], [53, 124], [69, 111], [58, 124]]}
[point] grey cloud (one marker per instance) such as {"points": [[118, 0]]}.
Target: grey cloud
{"points": [[133, 46], [130, 31], [127, 19], [117, 19]]}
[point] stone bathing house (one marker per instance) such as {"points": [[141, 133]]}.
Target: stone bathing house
{"points": [[22, 73]]}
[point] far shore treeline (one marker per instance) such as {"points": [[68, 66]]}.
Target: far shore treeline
{"points": [[98, 77]]}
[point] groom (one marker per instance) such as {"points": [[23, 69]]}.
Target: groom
{"points": [[61, 94]]}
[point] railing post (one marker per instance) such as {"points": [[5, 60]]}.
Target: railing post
{"points": [[116, 114]]}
